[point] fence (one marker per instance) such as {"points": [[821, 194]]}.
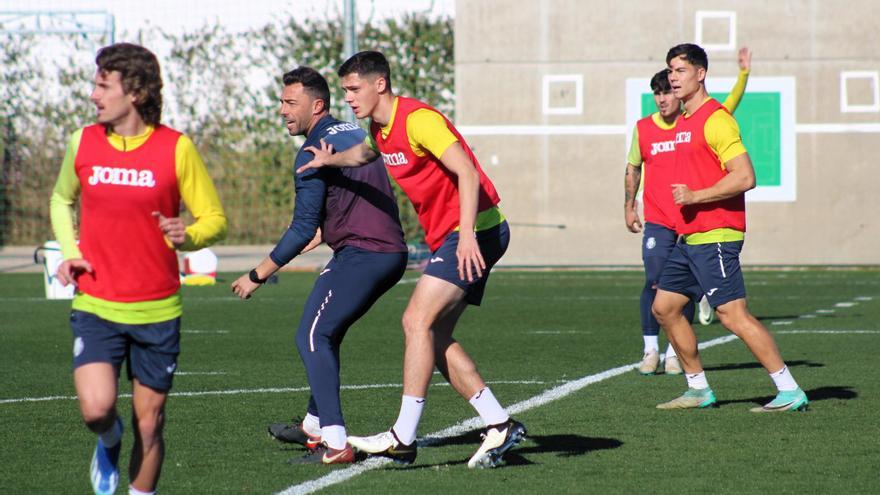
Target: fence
{"points": [[221, 89]]}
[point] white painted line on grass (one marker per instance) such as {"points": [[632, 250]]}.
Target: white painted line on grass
{"points": [[337, 476], [783, 322], [845, 305], [807, 316], [205, 331], [864, 298], [184, 373], [828, 331], [824, 311], [555, 393], [503, 382], [269, 390], [38, 399], [556, 332]]}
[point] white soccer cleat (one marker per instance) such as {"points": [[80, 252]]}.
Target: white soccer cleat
{"points": [[671, 366], [386, 444], [706, 314], [650, 362], [496, 441]]}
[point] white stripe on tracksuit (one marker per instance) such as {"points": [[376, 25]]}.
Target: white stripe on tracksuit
{"points": [[315, 322]]}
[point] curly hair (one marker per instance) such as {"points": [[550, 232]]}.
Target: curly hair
{"points": [[140, 75]]}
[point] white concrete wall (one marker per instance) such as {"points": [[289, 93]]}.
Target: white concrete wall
{"points": [[504, 49]]}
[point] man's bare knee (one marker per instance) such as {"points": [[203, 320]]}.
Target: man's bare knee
{"points": [[149, 428], [727, 320], [734, 316], [97, 418], [661, 313], [411, 324]]}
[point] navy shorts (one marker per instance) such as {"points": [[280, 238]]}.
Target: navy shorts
{"points": [[150, 350], [710, 269], [657, 244], [443, 263]]}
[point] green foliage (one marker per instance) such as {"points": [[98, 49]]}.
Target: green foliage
{"points": [[234, 127], [222, 90], [34, 124]]}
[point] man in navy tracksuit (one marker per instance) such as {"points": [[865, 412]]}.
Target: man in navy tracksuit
{"points": [[354, 211]]}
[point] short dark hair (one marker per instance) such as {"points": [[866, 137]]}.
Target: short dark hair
{"points": [[660, 82], [690, 52], [313, 83], [367, 63], [140, 75]]}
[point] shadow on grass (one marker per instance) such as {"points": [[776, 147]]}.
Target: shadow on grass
{"points": [[792, 317], [752, 365], [815, 395], [561, 445], [568, 445]]}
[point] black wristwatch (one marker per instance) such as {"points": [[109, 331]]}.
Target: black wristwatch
{"points": [[256, 278]]}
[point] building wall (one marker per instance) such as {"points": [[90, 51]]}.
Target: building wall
{"points": [[567, 169]]}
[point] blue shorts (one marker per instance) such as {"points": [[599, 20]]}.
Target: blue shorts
{"points": [[710, 269], [443, 263], [151, 349]]}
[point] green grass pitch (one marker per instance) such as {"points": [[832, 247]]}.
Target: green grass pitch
{"points": [[239, 371]]}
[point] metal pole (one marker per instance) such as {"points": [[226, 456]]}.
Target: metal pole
{"points": [[111, 28], [350, 42]]}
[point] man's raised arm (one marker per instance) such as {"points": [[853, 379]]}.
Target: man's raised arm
{"points": [[357, 155]]}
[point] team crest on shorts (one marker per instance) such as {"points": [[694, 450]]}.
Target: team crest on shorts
{"points": [[78, 346], [650, 243]]}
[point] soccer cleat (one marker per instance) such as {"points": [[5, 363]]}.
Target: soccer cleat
{"points": [[386, 444], [322, 454], [671, 366], [692, 399], [792, 400], [294, 433], [103, 471], [497, 440], [650, 362], [706, 313]]}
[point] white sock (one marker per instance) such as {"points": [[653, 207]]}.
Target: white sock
{"points": [[783, 380], [335, 436], [312, 425], [488, 408], [111, 437], [670, 351], [408, 420], [697, 380], [134, 491], [651, 343]]}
